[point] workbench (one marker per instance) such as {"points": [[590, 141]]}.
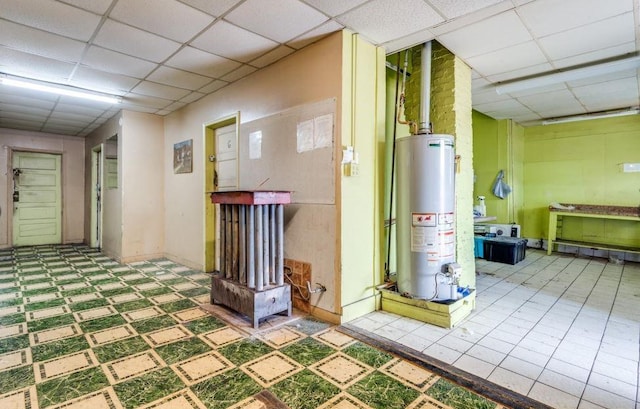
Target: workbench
{"points": [[589, 211]]}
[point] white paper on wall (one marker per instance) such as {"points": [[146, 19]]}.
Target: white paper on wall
{"points": [[255, 145], [305, 136], [323, 131]]}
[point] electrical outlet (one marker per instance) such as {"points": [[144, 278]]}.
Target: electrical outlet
{"points": [[351, 169]]}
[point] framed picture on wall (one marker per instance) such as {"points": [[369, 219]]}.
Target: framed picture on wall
{"points": [[183, 157]]}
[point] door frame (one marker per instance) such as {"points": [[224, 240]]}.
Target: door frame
{"points": [[10, 185], [97, 159], [210, 216]]}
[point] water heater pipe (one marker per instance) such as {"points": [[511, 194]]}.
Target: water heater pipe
{"points": [[424, 126]]}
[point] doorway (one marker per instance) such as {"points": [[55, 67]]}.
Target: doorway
{"points": [[221, 173], [97, 160], [37, 198]]}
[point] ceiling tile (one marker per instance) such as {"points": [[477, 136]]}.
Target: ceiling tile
{"points": [[456, 8], [153, 89], [614, 76], [539, 90], [129, 40], [178, 78], [544, 17], [601, 54], [95, 6], [488, 96], [486, 36], [508, 59], [272, 56], [524, 72], [203, 63], [334, 7], [194, 96], [386, 20], [118, 63], [144, 103], [506, 105], [239, 73], [479, 15], [563, 99], [233, 42], [560, 111], [33, 41], [624, 87], [79, 108], [27, 125], [215, 8], [603, 34], [101, 81], [608, 102], [172, 107], [32, 66], [166, 18], [60, 18], [279, 20], [315, 34], [23, 110], [409, 41], [214, 86]]}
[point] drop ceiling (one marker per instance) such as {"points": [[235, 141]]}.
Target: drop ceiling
{"points": [[160, 55]]}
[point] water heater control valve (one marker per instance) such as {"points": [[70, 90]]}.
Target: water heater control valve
{"points": [[454, 270]]}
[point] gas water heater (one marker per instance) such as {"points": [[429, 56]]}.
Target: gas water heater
{"points": [[425, 217]]}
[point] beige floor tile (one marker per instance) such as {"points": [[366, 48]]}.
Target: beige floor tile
{"points": [[280, 337], [135, 276], [41, 297], [12, 330], [190, 314], [185, 399], [334, 338], [9, 284], [38, 286], [54, 334], [249, 403], [110, 286], [411, 374], [102, 399], [124, 298], [21, 399], [427, 402], [147, 286], [83, 297], [202, 366], [340, 369], [142, 314], [65, 365], [222, 336], [73, 286], [111, 334], [98, 276], [15, 358], [343, 401], [10, 296], [184, 286], [131, 366], [47, 312], [94, 313], [270, 369], [10, 310], [164, 336], [164, 298], [202, 299], [165, 276]]}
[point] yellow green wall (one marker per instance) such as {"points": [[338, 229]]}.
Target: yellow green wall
{"points": [[579, 163]]}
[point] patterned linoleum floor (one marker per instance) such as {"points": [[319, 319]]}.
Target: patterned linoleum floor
{"points": [[79, 330]]}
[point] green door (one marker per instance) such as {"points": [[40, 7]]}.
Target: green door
{"points": [[37, 203]]}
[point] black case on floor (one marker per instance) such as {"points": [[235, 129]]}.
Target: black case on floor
{"points": [[509, 250]]}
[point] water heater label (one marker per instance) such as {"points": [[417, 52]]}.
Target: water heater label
{"points": [[445, 218], [424, 219]]}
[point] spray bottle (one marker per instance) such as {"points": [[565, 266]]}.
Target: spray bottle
{"points": [[481, 208]]}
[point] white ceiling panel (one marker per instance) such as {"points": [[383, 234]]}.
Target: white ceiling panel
{"points": [[508, 59], [31, 40], [239, 73], [103, 81], [167, 18], [175, 52], [216, 8], [203, 63], [544, 17], [456, 8], [178, 78], [34, 66], [268, 18], [384, 20], [153, 89], [315, 34], [132, 41], [27, 125], [233, 42], [335, 7], [602, 34], [118, 63], [59, 19], [272, 56], [95, 6], [492, 34]]}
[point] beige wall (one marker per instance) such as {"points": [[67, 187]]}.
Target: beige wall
{"points": [[72, 151], [111, 198], [310, 75]]}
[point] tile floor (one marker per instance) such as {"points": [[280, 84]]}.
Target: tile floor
{"points": [[78, 330], [562, 330]]}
